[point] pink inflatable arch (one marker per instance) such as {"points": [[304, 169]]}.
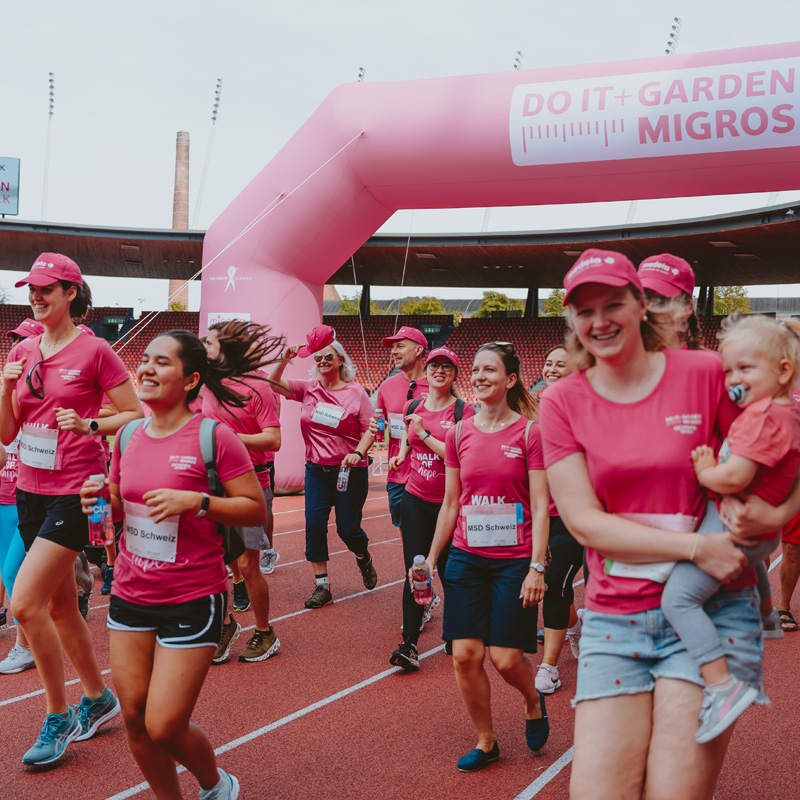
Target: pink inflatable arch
{"points": [[709, 123]]}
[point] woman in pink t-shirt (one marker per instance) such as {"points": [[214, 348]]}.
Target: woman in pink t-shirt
{"points": [[334, 422], [617, 437], [53, 387], [423, 445], [495, 511], [169, 593]]}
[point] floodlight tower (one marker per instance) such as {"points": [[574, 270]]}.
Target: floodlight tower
{"points": [[214, 112], [51, 109]]}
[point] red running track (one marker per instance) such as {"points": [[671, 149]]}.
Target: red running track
{"points": [[330, 718]]}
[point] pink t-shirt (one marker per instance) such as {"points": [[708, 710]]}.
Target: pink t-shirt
{"points": [[427, 476], [8, 480], [75, 377], [392, 399], [174, 462], [260, 412], [638, 455], [494, 472], [332, 422]]}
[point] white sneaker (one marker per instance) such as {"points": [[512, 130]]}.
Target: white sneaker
{"points": [[268, 561], [547, 680], [18, 660], [428, 612], [574, 637]]}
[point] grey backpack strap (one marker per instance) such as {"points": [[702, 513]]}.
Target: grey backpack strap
{"points": [[527, 431], [208, 451], [458, 436], [128, 429]]}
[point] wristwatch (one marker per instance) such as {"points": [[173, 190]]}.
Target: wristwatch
{"points": [[203, 506], [424, 435], [537, 566], [93, 426]]}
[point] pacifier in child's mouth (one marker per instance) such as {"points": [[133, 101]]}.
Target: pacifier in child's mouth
{"points": [[736, 393]]}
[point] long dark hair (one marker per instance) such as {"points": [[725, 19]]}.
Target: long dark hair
{"points": [[80, 304], [519, 399]]}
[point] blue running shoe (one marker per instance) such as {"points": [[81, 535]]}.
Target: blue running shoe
{"points": [[92, 714], [228, 790], [58, 731], [537, 731], [108, 579]]}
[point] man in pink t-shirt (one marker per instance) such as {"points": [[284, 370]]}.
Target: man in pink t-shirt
{"points": [[408, 353]]}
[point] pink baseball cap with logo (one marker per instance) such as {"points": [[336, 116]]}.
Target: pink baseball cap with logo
{"points": [[51, 267], [667, 275], [442, 352], [28, 327], [601, 266], [406, 332], [320, 337]]}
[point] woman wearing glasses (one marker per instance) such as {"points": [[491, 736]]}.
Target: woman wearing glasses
{"points": [[423, 445], [334, 421], [53, 387], [495, 510]]}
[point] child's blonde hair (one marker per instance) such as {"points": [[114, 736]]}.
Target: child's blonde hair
{"points": [[774, 340]]}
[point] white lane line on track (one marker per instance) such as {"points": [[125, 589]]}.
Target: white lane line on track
{"points": [[249, 737], [775, 563], [41, 691], [303, 508], [533, 789], [330, 525]]}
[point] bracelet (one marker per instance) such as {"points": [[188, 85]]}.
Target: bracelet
{"points": [[694, 549], [359, 454]]}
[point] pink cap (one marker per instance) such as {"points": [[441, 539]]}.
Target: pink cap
{"points": [[320, 337], [442, 352], [86, 329], [406, 333], [51, 267], [28, 327], [667, 275], [600, 266]]}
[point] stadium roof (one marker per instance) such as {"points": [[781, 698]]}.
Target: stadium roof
{"points": [[755, 247]]}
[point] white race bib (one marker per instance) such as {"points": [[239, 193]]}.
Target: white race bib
{"points": [[397, 426], [328, 414], [37, 447], [656, 571], [500, 525], [146, 538]]}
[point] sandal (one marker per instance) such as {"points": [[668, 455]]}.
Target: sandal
{"points": [[788, 622]]}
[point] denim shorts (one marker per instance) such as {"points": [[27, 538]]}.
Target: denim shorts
{"points": [[255, 537], [395, 492], [625, 653]]}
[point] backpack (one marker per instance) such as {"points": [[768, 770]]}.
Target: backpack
{"points": [[458, 411], [232, 542]]}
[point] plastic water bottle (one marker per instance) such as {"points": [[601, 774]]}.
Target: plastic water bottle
{"points": [[101, 525], [380, 435], [421, 581], [343, 478]]}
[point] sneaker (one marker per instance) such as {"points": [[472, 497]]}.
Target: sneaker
{"points": [[574, 638], [368, 574], [56, 734], [268, 561], [477, 759], [771, 626], [547, 680], [83, 604], [241, 600], [537, 731], [261, 646], [92, 714], [721, 709], [228, 791], [321, 596], [3, 618], [230, 633], [18, 660], [406, 656], [108, 579], [540, 636], [428, 611]]}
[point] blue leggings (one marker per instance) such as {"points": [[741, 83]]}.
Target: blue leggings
{"points": [[12, 550]]}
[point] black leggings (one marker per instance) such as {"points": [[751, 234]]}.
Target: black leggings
{"points": [[417, 527], [567, 559]]}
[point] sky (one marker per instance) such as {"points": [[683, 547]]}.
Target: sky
{"points": [[129, 76]]}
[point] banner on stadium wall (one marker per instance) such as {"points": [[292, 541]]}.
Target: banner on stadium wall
{"points": [[9, 186], [226, 316]]}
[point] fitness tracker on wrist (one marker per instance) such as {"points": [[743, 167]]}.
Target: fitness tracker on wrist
{"points": [[93, 426], [203, 506], [359, 454], [424, 435]]}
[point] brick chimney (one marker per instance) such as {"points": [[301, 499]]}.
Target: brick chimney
{"points": [[180, 209]]}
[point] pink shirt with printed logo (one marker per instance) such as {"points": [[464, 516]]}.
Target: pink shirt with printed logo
{"points": [[260, 412], [638, 455], [328, 444], [75, 377], [494, 471], [8, 480], [392, 399], [427, 475], [174, 462]]}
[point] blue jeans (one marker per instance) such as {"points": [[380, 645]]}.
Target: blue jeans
{"points": [[321, 496]]}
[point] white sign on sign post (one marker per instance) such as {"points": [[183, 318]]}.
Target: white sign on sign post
{"points": [[9, 186]]}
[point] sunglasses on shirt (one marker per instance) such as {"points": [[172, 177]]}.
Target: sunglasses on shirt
{"points": [[327, 358], [35, 381], [411, 386]]}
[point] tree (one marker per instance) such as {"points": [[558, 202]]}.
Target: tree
{"points": [[553, 305], [422, 305], [348, 306], [5, 295], [497, 301], [729, 299], [176, 305]]}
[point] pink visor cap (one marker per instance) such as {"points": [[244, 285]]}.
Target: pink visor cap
{"points": [[667, 275], [319, 338], [26, 328], [442, 352], [600, 266], [51, 267], [406, 333]]}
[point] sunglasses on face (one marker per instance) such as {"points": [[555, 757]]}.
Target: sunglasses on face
{"points": [[327, 358], [34, 381], [444, 366], [411, 386]]}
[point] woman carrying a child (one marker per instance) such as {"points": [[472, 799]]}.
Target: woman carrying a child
{"points": [[618, 436]]}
